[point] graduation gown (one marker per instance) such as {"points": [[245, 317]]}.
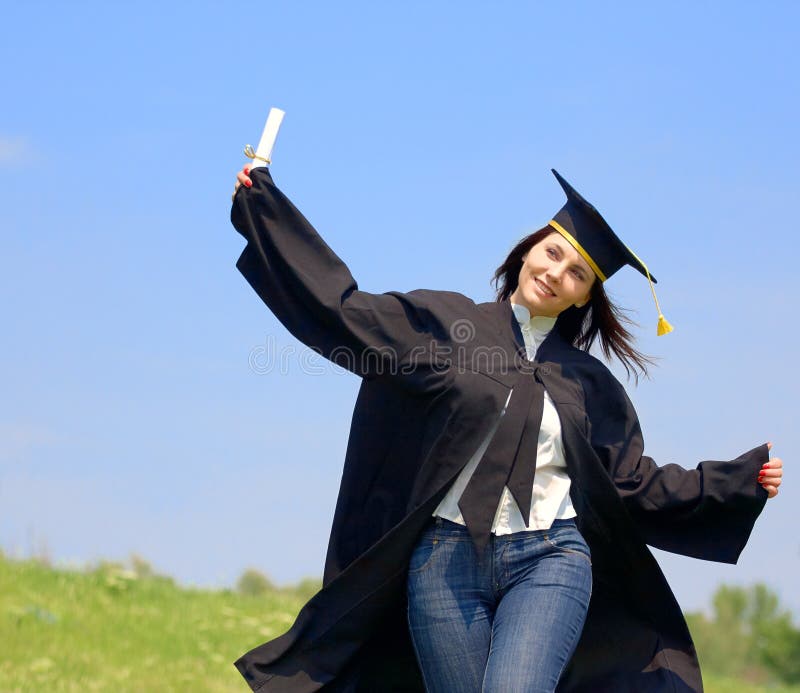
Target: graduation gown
{"points": [[436, 371]]}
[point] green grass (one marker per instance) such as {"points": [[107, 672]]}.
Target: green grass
{"points": [[721, 684], [109, 630]]}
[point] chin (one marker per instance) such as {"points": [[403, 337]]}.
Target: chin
{"points": [[537, 306]]}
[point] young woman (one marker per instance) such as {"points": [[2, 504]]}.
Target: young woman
{"points": [[495, 505]]}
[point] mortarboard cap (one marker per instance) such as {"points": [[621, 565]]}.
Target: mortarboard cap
{"points": [[583, 226]]}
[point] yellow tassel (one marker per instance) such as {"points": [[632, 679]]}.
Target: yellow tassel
{"points": [[663, 326]]}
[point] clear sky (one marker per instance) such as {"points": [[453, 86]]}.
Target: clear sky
{"points": [[418, 139]]}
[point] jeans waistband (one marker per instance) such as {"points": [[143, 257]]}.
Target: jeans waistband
{"points": [[450, 527]]}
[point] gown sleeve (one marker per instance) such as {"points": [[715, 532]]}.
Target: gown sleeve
{"points": [[707, 512], [311, 291]]}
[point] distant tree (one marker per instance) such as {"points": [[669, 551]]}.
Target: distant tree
{"points": [[776, 640], [748, 637], [142, 567], [253, 583], [722, 642], [308, 587]]}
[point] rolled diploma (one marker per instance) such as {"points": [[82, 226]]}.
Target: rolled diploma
{"points": [[267, 141]]}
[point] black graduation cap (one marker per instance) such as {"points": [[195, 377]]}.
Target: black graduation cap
{"points": [[583, 226]]}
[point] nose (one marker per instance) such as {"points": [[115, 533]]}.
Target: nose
{"points": [[554, 272]]}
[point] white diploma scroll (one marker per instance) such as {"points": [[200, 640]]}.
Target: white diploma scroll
{"points": [[263, 155]]}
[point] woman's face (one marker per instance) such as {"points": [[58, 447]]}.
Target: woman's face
{"points": [[553, 277]]}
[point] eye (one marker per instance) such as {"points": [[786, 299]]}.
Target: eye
{"points": [[552, 253], [578, 274]]}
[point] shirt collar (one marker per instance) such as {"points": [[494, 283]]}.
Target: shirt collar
{"points": [[539, 325]]}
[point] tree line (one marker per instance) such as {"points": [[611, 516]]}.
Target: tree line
{"points": [[748, 636]]}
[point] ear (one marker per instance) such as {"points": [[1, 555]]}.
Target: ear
{"points": [[584, 300]]}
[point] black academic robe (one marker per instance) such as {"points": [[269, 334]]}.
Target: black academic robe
{"points": [[436, 371]]}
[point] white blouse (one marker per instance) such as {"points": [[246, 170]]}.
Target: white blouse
{"points": [[550, 498]]}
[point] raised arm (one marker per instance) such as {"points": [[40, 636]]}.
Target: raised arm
{"points": [[311, 291]]}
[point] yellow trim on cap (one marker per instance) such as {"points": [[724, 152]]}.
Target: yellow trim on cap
{"points": [[578, 247]]}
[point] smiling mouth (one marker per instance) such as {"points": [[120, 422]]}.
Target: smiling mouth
{"points": [[544, 288]]}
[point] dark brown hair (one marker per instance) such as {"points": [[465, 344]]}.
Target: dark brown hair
{"points": [[580, 326]]}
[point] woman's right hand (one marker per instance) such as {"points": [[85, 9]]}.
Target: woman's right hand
{"points": [[242, 178]]}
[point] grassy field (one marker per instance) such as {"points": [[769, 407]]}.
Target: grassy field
{"points": [[720, 684], [111, 629]]}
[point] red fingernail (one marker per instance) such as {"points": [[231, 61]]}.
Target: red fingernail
{"points": [[248, 183], [247, 170], [765, 465]]}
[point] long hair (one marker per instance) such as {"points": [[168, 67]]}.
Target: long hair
{"points": [[599, 318]]}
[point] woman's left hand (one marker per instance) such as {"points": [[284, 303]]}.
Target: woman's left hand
{"points": [[770, 475]]}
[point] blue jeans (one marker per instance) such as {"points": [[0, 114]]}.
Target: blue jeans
{"points": [[507, 624]]}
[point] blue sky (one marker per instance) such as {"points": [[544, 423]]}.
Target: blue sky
{"points": [[418, 139]]}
